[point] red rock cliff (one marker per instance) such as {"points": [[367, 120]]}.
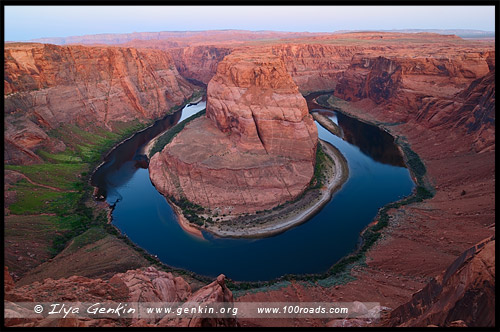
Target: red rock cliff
{"points": [[254, 98], [405, 80], [439, 93], [254, 150], [198, 62], [465, 292], [316, 67], [47, 85]]}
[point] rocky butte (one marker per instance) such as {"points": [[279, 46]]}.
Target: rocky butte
{"points": [[254, 150]]}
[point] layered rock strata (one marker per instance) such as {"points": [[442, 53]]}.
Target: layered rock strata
{"points": [[47, 85], [198, 62], [465, 292], [254, 150], [454, 92]]}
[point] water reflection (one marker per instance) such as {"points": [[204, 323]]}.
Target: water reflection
{"points": [[371, 140]]}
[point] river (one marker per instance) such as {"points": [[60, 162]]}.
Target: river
{"points": [[377, 176]]}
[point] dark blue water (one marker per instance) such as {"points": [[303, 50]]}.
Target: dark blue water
{"points": [[376, 177]]}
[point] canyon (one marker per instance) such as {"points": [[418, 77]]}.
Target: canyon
{"points": [[434, 93]]}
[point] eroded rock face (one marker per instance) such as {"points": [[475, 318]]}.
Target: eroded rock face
{"points": [[463, 295], [46, 85], [253, 98], [148, 285], [405, 80], [151, 285], [477, 112], [254, 150], [451, 93], [316, 67], [198, 62], [216, 292]]}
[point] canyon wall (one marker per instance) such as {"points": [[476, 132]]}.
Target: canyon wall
{"points": [[254, 150], [315, 61], [463, 295], [47, 85], [381, 78], [198, 62], [440, 93], [316, 67], [313, 67]]}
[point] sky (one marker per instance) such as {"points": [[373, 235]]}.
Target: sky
{"points": [[30, 22]]}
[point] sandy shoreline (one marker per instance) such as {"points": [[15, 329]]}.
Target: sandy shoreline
{"points": [[290, 216], [184, 223]]}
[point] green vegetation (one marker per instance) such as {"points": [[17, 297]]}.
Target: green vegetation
{"points": [[67, 194], [169, 135], [58, 206], [59, 175], [190, 210], [59, 157], [318, 179], [31, 199]]}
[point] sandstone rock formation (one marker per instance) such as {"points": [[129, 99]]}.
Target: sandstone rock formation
{"points": [[446, 92], [198, 62], [216, 292], [316, 67], [254, 150], [47, 85], [148, 285], [315, 61], [464, 292], [380, 78]]}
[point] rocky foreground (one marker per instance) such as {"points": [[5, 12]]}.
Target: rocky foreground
{"points": [[445, 301], [148, 285], [254, 150]]}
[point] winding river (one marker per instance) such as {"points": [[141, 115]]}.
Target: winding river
{"points": [[377, 176]]}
